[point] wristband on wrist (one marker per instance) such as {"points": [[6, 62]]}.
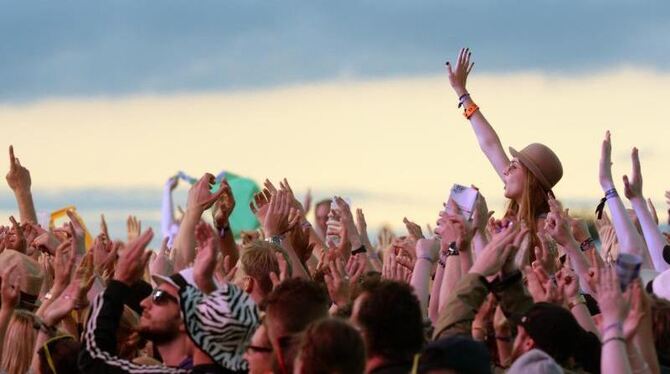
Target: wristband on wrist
{"points": [[586, 244], [616, 325], [461, 99], [504, 338], [578, 300], [470, 110], [223, 230], [427, 258], [358, 250], [601, 206]]}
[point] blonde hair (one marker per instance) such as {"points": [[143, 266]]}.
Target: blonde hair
{"points": [[258, 261], [17, 351]]}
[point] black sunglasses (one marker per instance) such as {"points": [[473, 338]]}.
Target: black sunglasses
{"points": [[161, 297]]}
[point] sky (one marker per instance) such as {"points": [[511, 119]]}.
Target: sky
{"points": [[103, 101]]}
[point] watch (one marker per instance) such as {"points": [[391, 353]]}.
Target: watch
{"points": [[452, 250], [275, 239]]}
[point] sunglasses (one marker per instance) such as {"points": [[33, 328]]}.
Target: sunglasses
{"points": [[161, 297], [258, 349]]}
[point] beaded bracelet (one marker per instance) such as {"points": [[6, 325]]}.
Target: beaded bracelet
{"points": [[461, 99], [601, 206]]}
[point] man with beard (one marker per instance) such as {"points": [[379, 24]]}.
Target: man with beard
{"points": [[160, 322]]}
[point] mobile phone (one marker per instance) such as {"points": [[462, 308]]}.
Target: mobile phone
{"points": [[465, 198]]}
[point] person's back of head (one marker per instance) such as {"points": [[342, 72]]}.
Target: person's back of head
{"points": [[290, 308], [331, 346], [258, 261], [294, 304], [455, 354], [17, 348], [59, 355], [389, 316], [555, 331]]}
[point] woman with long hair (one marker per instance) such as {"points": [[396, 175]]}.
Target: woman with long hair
{"points": [[19, 342], [528, 176]]}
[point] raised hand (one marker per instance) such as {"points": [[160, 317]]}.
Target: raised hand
{"points": [[283, 184], [346, 218], [225, 270], [18, 240], [413, 229], [77, 232], [103, 227], [362, 228], [557, 225], [283, 269], [205, 261], [397, 268], [223, 207], [200, 198], [633, 186], [18, 177], [161, 264], [453, 228], [481, 214], [74, 296], [259, 206], [307, 201], [639, 309], [338, 283], [172, 182], [493, 256], [458, 75], [280, 217], [64, 261], [612, 305], [605, 171], [131, 264], [133, 227]]}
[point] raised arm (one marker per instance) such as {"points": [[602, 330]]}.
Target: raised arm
{"points": [[199, 199], [18, 179], [613, 306], [487, 137], [167, 208], [652, 235], [629, 240], [221, 212], [427, 252]]}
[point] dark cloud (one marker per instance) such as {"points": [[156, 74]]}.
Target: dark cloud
{"points": [[83, 48]]}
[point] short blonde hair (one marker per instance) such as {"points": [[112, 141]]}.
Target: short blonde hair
{"points": [[258, 261], [17, 349]]}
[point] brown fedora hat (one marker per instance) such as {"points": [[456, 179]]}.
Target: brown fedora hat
{"points": [[31, 276], [542, 162]]}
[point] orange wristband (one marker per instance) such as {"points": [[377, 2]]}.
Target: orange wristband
{"points": [[470, 110]]}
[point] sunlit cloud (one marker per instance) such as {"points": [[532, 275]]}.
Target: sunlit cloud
{"points": [[400, 140]]}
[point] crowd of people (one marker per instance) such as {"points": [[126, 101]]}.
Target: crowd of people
{"points": [[533, 290]]}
